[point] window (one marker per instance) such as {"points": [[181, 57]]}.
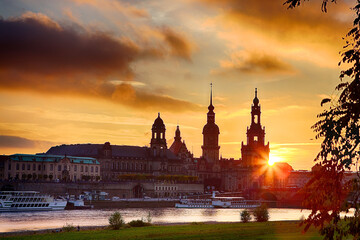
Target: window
{"points": [[86, 169], [39, 167], [59, 168], [23, 166], [82, 168], [96, 169], [28, 167], [44, 167], [51, 167], [9, 166], [92, 169], [75, 168], [256, 118], [17, 166], [113, 165], [256, 138], [34, 167]]}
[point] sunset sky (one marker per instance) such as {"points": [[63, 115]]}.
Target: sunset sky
{"points": [[92, 71]]}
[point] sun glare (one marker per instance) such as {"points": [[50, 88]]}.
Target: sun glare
{"points": [[271, 162], [273, 159]]}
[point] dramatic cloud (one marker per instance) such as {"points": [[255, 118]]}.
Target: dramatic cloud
{"points": [[179, 45], [245, 62], [303, 33], [19, 142], [145, 100], [38, 54], [36, 44]]}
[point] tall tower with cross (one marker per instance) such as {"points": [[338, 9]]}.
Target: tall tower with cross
{"points": [[210, 147]]}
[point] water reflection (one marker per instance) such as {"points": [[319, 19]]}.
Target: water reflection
{"points": [[208, 212], [43, 220]]}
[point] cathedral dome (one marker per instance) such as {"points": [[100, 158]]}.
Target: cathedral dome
{"points": [[158, 123], [211, 128]]}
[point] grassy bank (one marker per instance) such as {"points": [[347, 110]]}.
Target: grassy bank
{"points": [[252, 230]]}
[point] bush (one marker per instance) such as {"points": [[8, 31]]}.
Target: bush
{"points": [[261, 214], [68, 228], [138, 223], [245, 216], [116, 221]]}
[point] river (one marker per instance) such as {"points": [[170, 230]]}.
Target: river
{"points": [[20, 221]]}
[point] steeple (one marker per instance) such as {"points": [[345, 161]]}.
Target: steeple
{"points": [[177, 134], [211, 133], [211, 107], [256, 100], [211, 114], [255, 152]]}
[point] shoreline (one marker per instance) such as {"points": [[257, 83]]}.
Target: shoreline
{"points": [[104, 227]]}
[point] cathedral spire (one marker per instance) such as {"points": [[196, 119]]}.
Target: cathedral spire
{"points": [[211, 107], [256, 100], [210, 93]]}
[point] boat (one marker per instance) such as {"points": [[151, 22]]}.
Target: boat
{"points": [[218, 202], [16, 201], [76, 203]]}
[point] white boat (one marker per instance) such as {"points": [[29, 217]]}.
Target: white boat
{"points": [[218, 202], [15, 201]]}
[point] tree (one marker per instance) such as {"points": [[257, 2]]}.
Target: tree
{"points": [[245, 216], [116, 221], [339, 127], [261, 213]]}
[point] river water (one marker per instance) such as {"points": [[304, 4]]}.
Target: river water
{"points": [[20, 221]]}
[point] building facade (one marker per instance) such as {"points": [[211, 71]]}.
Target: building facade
{"points": [[50, 167], [118, 160]]}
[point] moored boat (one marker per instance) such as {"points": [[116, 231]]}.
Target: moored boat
{"points": [[15, 201], [218, 202]]}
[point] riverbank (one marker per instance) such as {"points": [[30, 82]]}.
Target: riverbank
{"points": [[252, 230]]}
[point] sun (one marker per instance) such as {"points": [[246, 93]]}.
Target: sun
{"points": [[273, 159], [271, 162]]}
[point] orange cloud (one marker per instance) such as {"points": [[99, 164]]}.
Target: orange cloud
{"points": [[145, 100], [179, 45], [40, 55], [254, 62], [304, 33]]}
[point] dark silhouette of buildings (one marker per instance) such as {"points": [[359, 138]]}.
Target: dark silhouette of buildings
{"points": [[159, 160], [210, 147], [255, 152]]}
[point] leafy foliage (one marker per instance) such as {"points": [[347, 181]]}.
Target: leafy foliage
{"points": [[139, 223], [327, 193], [261, 213], [68, 228], [296, 3], [116, 221], [245, 216]]}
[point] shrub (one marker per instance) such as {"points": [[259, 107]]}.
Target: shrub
{"points": [[245, 216], [261, 214], [68, 228], [138, 223], [116, 221]]}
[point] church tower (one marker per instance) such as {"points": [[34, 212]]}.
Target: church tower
{"points": [[211, 133], [158, 140], [255, 153]]}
